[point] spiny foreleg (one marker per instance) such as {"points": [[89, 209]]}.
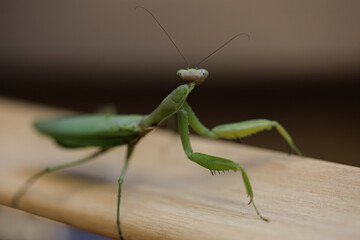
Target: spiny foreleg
{"points": [[211, 162]]}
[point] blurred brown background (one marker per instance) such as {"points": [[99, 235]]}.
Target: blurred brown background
{"points": [[301, 67]]}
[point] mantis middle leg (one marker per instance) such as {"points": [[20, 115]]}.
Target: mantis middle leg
{"points": [[129, 152], [211, 162], [238, 130]]}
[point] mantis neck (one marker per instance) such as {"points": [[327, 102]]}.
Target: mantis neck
{"points": [[168, 107]]}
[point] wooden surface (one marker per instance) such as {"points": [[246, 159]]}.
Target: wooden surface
{"points": [[166, 196]]}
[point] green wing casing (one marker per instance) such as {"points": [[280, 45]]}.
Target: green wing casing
{"points": [[95, 130]]}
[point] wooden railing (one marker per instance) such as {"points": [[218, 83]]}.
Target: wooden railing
{"points": [[166, 196]]}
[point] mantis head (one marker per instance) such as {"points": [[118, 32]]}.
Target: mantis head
{"points": [[192, 75]]}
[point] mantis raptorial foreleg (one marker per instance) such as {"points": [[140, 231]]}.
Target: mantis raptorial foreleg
{"points": [[33, 178], [129, 152], [238, 130], [211, 162]]}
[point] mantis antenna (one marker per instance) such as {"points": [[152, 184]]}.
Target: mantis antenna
{"points": [[167, 34], [187, 63], [226, 43]]}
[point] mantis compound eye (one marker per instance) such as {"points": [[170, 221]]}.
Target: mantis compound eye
{"points": [[204, 73], [179, 73]]}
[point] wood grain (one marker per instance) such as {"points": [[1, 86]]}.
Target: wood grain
{"points": [[167, 196]]}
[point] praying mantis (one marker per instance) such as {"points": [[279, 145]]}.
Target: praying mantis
{"points": [[106, 131]]}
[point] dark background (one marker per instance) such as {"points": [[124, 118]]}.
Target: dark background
{"points": [[301, 67]]}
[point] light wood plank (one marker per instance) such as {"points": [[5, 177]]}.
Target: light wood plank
{"points": [[167, 196]]}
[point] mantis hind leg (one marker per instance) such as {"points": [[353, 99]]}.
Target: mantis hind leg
{"points": [[23, 189], [211, 162], [129, 152], [239, 130]]}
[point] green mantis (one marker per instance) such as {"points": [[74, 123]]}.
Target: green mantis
{"points": [[104, 132]]}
